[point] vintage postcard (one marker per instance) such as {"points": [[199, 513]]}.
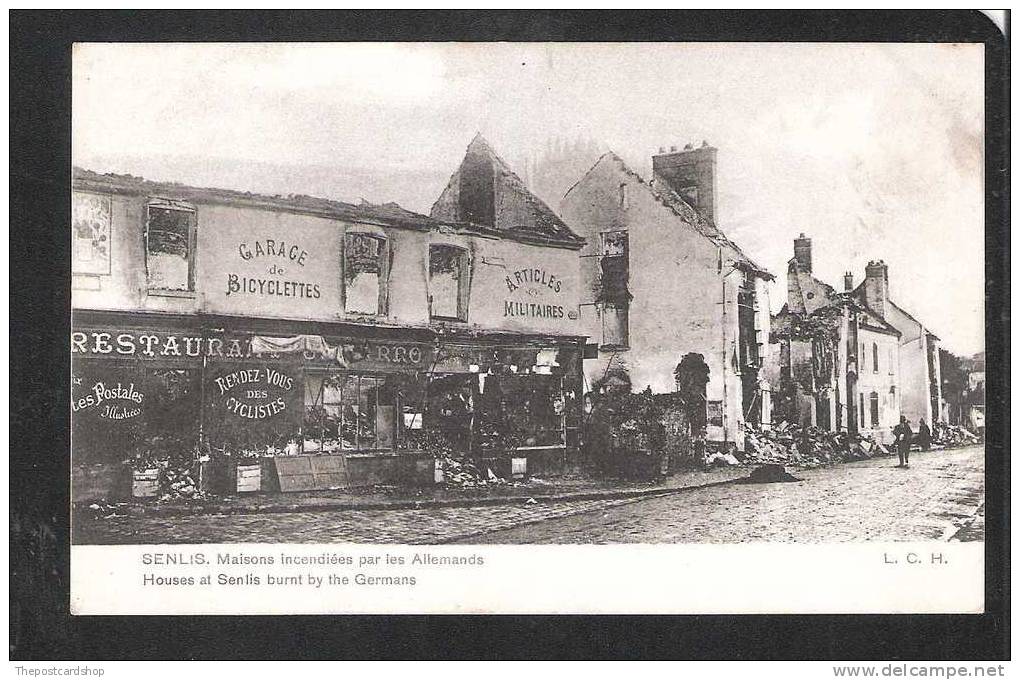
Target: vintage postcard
{"points": [[527, 328]]}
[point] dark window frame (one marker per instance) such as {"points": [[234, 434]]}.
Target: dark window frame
{"points": [[382, 304], [463, 282], [176, 206]]}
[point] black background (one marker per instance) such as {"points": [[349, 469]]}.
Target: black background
{"points": [[40, 135]]}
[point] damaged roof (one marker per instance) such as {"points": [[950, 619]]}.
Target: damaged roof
{"points": [[386, 214], [691, 217], [485, 193]]}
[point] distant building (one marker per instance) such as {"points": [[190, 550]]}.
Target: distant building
{"points": [[552, 174], [661, 282], [919, 365], [974, 395]]}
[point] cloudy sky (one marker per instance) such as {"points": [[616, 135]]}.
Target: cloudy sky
{"points": [[875, 151]]}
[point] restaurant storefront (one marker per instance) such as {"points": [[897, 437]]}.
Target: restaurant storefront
{"points": [[315, 406]]}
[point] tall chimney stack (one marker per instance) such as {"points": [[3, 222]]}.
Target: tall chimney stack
{"points": [[802, 252], [876, 286], [848, 281], [690, 173]]}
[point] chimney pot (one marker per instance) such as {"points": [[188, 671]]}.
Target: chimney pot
{"points": [[704, 143], [802, 252], [688, 147], [672, 149], [662, 149]]}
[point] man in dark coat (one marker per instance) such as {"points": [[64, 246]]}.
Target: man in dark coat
{"points": [[904, 435], [924, 436]]}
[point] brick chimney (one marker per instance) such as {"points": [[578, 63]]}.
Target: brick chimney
{"points": [[690, 173], [876, 286], [848, 281], [802, 252]]}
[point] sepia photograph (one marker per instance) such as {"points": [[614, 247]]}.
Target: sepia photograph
{"points": [[353, 293], [529, 325]]}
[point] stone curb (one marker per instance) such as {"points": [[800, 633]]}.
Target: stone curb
{"points": [[338, 506]]}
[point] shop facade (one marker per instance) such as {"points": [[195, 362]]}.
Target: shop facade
{"points": [[333, 346]]}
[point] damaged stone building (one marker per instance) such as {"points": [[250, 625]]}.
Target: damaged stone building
{"points": [[661, 283], [850, 360], [836, 358], [320, 343]]}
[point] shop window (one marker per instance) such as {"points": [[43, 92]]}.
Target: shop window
{"points": [[873, 401], [448, 282], [170, 248], [510, 412], [365, 273], [352, 412], [874, 357]]}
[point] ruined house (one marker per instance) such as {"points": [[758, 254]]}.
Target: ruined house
{"points": [[661, 281], [837, 358]]}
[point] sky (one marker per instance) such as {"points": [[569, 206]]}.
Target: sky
{"points": [[875, 151]]}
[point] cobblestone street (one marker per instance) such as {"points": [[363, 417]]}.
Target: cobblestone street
{"points": [[938, 498]]}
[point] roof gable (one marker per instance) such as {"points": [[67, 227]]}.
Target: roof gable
{"points": [[485, 191]]}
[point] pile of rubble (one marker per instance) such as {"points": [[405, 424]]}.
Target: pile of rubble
{"points": [[177, 485], [789, 444], [954, 435], [465, 475]]}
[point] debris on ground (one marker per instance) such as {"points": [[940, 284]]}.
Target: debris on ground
{"points": [[177, 485], [953, 435], [770, 473], [789, 444], [466, 475], [105, 510], [718, 459]]}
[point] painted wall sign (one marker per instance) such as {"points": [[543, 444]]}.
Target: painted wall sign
{"points": [[254, 393], [267, 263], [284, 260], [156, 345], [116, 401], [536, 283]]}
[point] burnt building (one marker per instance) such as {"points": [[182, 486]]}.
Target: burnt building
{"points": [[837, 358], [661, 281], [323, 343]]}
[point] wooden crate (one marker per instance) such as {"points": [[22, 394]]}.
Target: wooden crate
{"points": [[145, 483], [249, 477]]}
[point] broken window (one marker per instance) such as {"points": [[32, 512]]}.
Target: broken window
{"points": [[615, 326], [614, 294], [873, 399], [169, 248], [448, 282], [345, 411], [364, 262]]}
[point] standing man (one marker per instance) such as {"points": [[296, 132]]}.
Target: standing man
{"points": [[904, 435], [924, 436]]}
